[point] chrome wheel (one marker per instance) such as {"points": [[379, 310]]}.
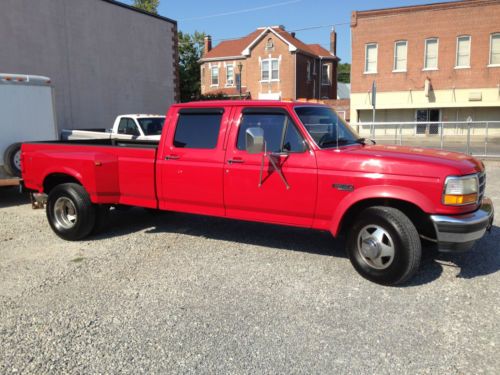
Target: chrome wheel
{"points": [[376, 247], [17, 159], [65, 213]]}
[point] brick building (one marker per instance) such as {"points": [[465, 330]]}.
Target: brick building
{"points": [[436, 62], [273, 63]]}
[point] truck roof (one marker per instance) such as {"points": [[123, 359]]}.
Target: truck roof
{"points": [[260, 103], [141, 115]]}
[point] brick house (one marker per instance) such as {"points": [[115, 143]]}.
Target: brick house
{"points": [[435, 62], [274, 64]]}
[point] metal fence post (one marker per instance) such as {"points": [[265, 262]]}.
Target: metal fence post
{"points": [[442, 135], [468, 139], [486, 140]]}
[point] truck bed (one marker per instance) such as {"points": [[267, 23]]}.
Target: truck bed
{"points": [[112, 171], [132, 143]]}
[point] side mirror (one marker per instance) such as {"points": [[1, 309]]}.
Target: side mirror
{"points": [[254, 139]]}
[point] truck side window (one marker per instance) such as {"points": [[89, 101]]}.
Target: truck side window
{"points": [[197, 130], [128, 126], [132, 128], [280, 133], [122, 126]]}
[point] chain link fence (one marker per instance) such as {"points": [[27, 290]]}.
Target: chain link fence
{"points": [[477, 138]]}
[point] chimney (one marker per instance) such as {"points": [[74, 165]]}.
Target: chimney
{"points": [[208, 44], [333, 41], [292, 34]]}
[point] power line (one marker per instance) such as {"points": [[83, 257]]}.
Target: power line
{"points": [[293, 30], [230, 13]]}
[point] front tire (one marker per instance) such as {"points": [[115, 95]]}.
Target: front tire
{"points": [[70, 212], [384, 246]]}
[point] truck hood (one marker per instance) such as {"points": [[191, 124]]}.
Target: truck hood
{"points": [[413, 161]]}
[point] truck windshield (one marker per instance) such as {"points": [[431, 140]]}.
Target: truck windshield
{"points": [[151, 126], [326, 127]]}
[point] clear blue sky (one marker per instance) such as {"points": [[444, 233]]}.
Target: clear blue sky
{"points": [[226, 19]]}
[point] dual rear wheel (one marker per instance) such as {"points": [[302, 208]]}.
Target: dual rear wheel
{"points": [[71, 214]]}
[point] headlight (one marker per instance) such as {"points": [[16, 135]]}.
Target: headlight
{"points": [[459, 191]]}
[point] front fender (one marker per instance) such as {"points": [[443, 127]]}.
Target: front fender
{"points": [[376, 192]]}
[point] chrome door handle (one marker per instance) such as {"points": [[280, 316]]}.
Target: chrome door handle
{"points": [[235, 161], [172, 157]]}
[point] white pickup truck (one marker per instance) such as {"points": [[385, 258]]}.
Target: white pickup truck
{"points": [[139, 126]]}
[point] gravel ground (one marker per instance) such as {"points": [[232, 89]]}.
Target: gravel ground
{"points": [[176, 293]]}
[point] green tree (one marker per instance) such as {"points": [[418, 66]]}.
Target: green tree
{"points": [[150, 6], [344, 73], [190, 51]]}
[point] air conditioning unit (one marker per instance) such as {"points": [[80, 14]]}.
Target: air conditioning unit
{"points": [[475, 96]]}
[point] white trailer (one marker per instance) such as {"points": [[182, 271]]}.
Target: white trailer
{"points": [[27, 114]]}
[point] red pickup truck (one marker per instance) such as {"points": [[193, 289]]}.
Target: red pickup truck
{"points": [[289, 163]]}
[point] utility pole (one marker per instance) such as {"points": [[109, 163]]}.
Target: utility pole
{"points": [[374, 104]]}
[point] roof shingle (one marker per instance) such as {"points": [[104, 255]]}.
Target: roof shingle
{"points": [[235, 47]]}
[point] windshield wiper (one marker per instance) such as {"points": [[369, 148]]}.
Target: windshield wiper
{"points": [[363, 141], [341, 141]]}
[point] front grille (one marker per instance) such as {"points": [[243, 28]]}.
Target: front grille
{"points": [[482, 185]]}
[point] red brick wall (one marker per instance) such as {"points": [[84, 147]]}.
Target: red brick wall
{"points": [[286, 84], [290, 62], [478, 18], [305, 88]]}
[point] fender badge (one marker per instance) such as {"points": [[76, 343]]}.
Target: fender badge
{"points": [[343, 187]]}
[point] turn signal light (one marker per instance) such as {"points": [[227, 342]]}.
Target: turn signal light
{"points": [[460, 199]]}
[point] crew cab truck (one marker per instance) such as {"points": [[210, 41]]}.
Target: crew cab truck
{"points": [[288, 163], [135, 126]]}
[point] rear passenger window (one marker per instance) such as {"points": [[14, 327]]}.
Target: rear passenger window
{"points": [[197, 130]]}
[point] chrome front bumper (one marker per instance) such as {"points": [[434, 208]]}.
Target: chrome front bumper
{"points": [[459, 233]]}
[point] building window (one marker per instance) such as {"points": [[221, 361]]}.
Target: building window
{"points": [[214, 71], [270, 70], [275, 69], [325, 74], [269, 44], [308, 71], [431, 54], [400, 56], [371, 52], [495, 49], [463, 52], [229, 75]]}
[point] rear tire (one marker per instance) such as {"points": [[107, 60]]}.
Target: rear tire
{"points": [[384, 246], [70, 212], [12, 160]]}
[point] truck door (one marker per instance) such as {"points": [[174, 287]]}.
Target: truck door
{"points": [[288, 197], [191, 161], [127, 129]]}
